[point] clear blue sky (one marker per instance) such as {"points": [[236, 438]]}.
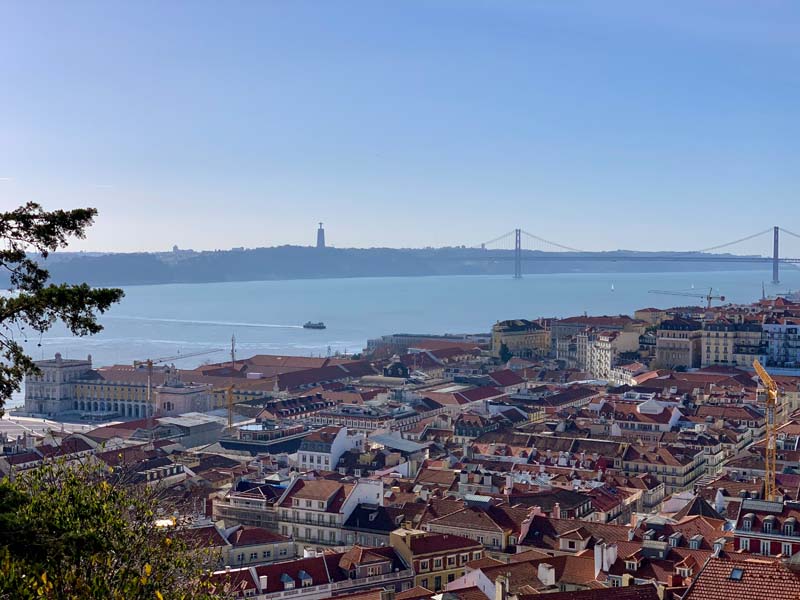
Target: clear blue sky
{"points": [[651, 125]]}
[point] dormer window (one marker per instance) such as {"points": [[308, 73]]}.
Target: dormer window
{"points": [[747, 522], [631, 565], [288, 582], [767, 526], [685, 571], [788, 526]]}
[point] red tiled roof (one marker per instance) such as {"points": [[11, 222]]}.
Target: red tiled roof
{"points": [[439, 542], [251, 536], [724, 579], [631, 592]]}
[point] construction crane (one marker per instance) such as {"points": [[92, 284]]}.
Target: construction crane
{"points": [[155, 361], [770, 490], [228, 390], [707, 297]]}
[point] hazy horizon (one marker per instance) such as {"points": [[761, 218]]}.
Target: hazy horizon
{"points": [[647, 126]]}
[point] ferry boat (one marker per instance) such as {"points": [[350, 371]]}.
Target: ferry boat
{"points": [[310, 325]]}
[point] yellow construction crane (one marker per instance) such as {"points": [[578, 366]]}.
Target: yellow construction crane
{"points": [[228, 402], [770, 489]]}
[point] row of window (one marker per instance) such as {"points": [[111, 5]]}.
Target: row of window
{"points": [[265, 555], [453, 560], [765, 547]]}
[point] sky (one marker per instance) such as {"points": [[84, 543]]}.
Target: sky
{"points": [[644, 125]]}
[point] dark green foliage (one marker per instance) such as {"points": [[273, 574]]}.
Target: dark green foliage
{"points": [[69, 532], [505, 353], [33, 304]]}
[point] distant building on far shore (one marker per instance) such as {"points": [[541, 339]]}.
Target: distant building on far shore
{"points": [[320, 236]]}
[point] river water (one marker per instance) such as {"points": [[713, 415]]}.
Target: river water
{"points": [[267, 316]]}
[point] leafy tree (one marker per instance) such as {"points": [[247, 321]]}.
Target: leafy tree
{"points": [[505, 353], [33, 304], [72, 531]]}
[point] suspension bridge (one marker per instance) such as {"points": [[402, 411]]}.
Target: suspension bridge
{"points": [[521, 246]]}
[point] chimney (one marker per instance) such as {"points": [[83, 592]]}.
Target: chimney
{"points": [[547, 574], [487, 480], [500, 588], [262, 583], [610, 557], [599, 555], [464, 477], [556, 514], [631, 534], [719, 501], [509, 485]]}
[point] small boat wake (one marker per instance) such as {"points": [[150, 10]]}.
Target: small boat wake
{"points": [[200, 322]]}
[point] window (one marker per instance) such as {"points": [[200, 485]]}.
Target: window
{"points": [[253, 555], [437, 583], [476, 556], [767, 526], [736, 574], [423, 566], [266, 554], [283, 552], [765, 547], [786, 549], [437, 563], [451, 561], [240, 557], [320, 505], [424, 582], [308, 503]]}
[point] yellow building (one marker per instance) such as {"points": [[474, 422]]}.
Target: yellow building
{"points": [[436, 558], [523, 338], [733, 344], [651, 316]]}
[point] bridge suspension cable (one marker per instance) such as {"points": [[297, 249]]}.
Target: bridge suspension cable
{"points": [[789, 232], [498, 238], [734, 242], [557, 245]]}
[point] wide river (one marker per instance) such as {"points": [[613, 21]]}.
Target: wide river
{"points": [[267, 316]]}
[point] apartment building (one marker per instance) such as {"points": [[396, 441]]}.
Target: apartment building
{"points": [[678, 343], [314, 510], [678, 468], [782, 336], [436, 558], [323, 448], [250, 504], [523, 338], [768, 528], [733, 344]]}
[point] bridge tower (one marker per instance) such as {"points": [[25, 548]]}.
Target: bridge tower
{"points": [[518, 254], [775, 254]]}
